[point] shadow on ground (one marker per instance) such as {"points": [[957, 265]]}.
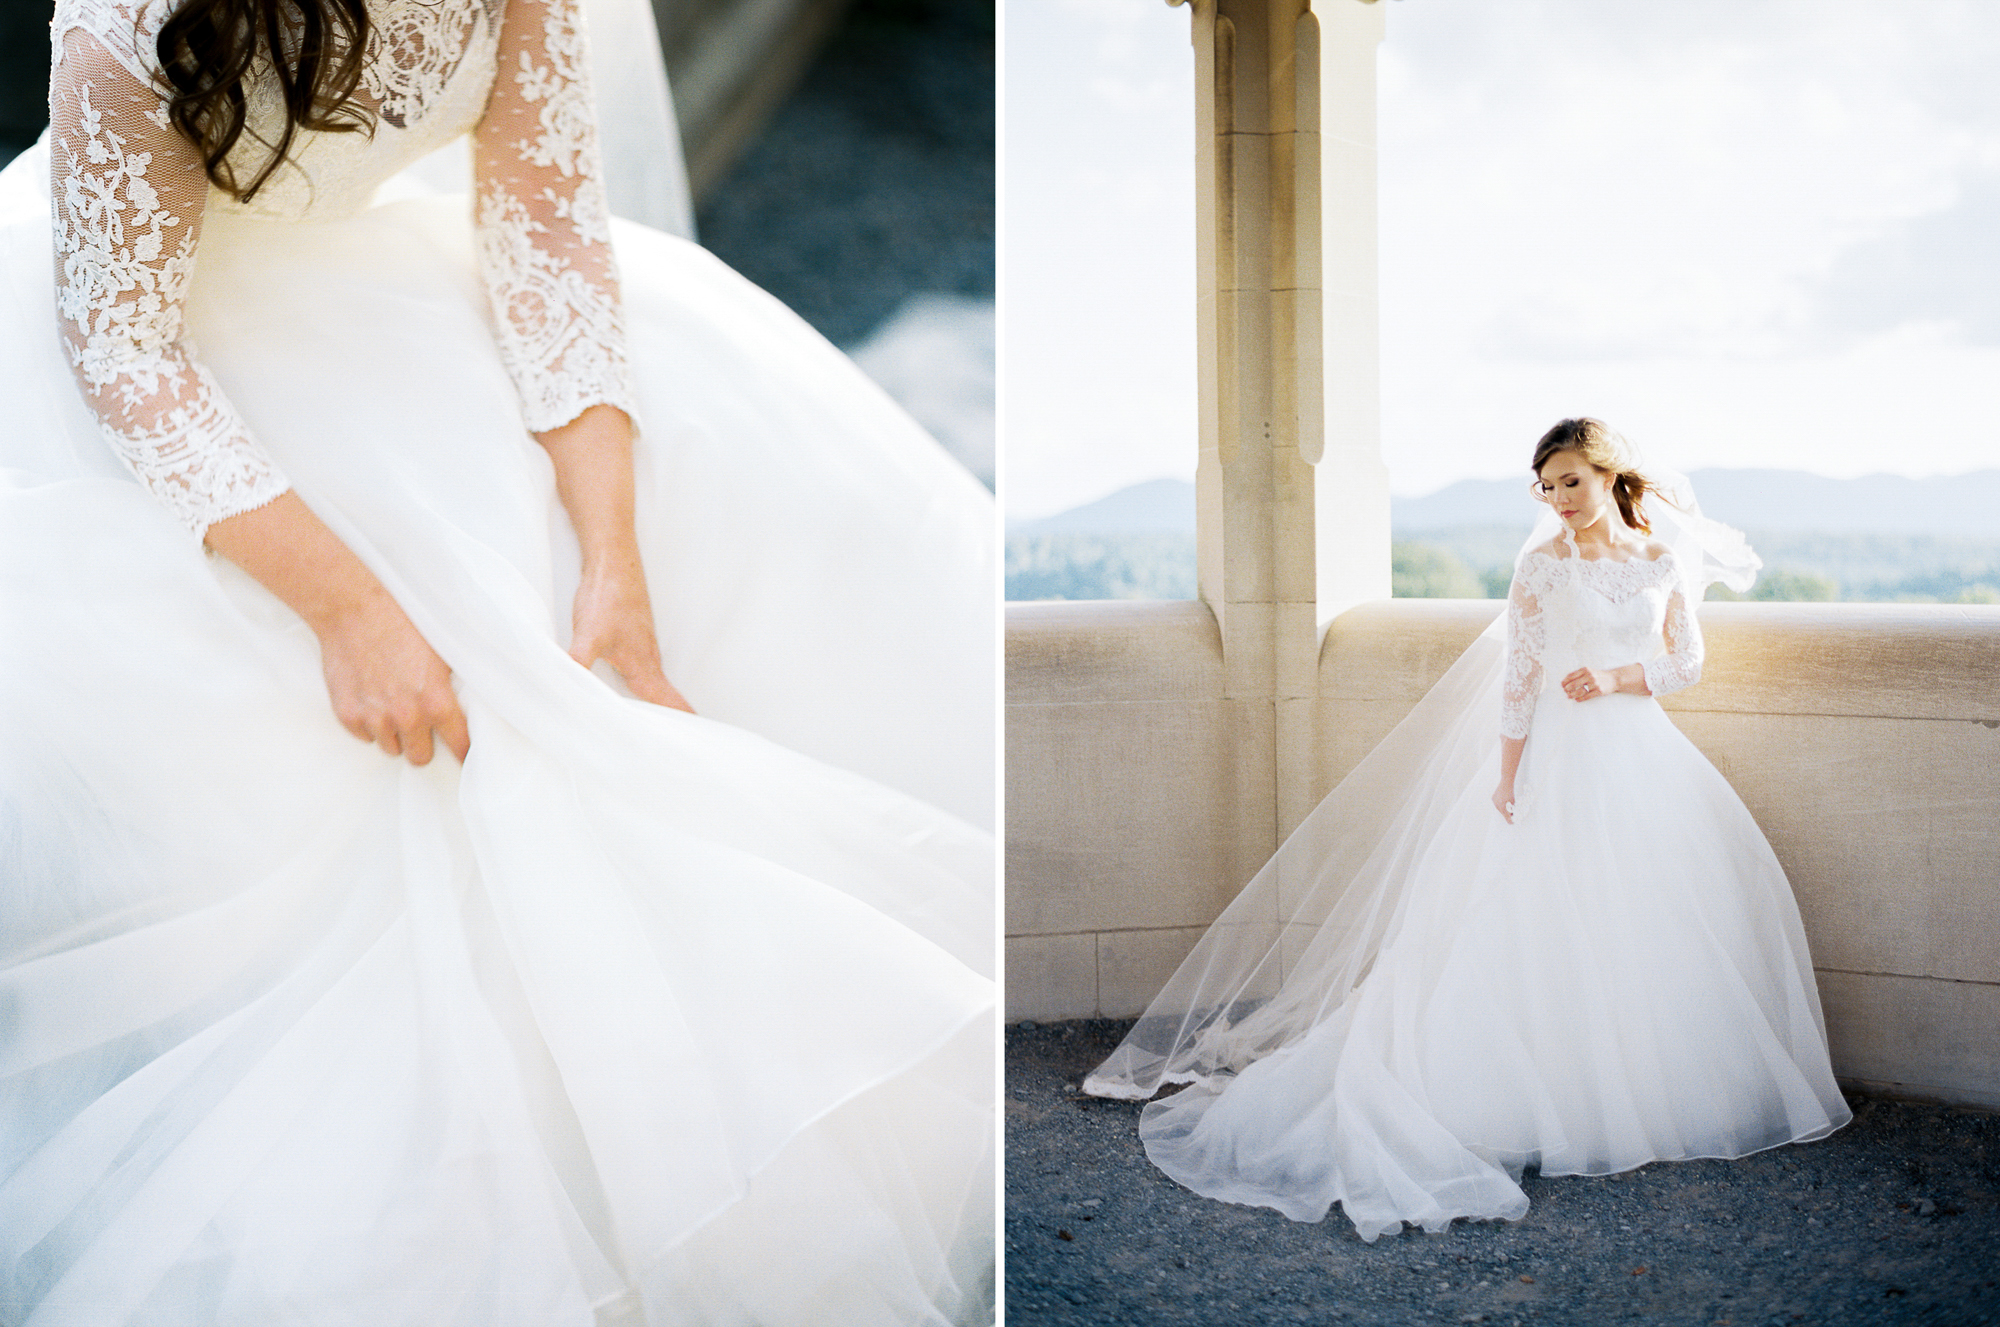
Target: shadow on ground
{"points": [[1895, 1219]]}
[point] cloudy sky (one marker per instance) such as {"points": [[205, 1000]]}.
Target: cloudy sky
{"points": [[1746, 232]]}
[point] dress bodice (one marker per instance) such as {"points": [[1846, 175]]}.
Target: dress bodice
{"points": [[426, 74], [130, 195], [1567, 612]]}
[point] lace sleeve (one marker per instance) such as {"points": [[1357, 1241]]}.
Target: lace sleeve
{"points": [[1522, 682], [544, 228], [1680, 666], [128, 193]]}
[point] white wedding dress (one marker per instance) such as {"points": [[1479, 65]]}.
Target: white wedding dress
{"points": [[1415, 1000], [637, 1017]]}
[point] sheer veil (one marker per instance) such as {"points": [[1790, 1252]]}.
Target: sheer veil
{"points": [[1305, 931]]}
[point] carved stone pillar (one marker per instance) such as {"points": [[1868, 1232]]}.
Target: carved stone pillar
{"points": [[1291, 493]]}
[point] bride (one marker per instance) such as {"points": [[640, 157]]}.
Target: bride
{"points": [[617, 1012], [1565, 945]]}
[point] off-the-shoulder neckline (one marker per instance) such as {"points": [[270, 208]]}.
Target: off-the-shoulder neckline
{"points": [[1543, 550]]}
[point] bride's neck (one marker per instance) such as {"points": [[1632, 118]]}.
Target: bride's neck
{"points": [[1599, 536]]}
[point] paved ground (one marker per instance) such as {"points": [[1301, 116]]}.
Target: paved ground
{"points": [[1896, 1219], [874, 182]]}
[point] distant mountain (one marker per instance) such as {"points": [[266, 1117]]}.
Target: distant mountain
{"points": [[1764, 500], [1158, 505], [1879, 539]]}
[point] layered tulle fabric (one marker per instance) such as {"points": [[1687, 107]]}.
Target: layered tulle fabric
{"points": [[637, 1017], [1414, 999]]}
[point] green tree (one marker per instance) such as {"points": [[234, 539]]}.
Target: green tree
{"points": [[1783, 585], [1074, 565], [1424, 571]]}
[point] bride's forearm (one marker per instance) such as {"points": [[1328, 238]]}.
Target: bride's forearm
{"points": [[612, 619], [1631, 678], [592, 455], [1510, 758], [291, 553]]}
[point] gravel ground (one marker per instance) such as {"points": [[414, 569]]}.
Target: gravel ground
{"points": [[1895, 1219], [874, 181]]}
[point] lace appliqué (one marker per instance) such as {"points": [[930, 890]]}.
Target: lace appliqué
{"points": [[413, 51], [1680, 666], [1547, 585], [124, 258], [125, 30], [1521, 683], [1615, 580], [561, 338], [544, 227]]}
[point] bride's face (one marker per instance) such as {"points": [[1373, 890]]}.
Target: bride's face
{"points": [[1576, 490]]}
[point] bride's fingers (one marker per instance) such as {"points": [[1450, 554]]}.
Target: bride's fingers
{"points": [[649, 682], [640, 668], [452, 730], [418, 748]]}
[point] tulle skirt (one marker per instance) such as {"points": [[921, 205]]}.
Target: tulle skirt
{"points": [[1618, 977], [637, 1016]]}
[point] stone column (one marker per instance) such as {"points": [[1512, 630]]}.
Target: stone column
{"points": [[1291, 494]]}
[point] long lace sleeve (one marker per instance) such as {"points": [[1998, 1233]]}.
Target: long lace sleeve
{"points": [[544, 229], [1680, 666], [128, 195], [1521, 684]]}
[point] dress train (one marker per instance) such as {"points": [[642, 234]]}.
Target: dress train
{"points": [[1414, 1000]]}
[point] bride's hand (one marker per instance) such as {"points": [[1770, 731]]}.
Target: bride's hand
{"points": [[1589, 684], [1503, 800], [387, 684], [613, 621]]}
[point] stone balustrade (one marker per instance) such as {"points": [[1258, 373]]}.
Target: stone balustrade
{"points": [[1865, 738]]}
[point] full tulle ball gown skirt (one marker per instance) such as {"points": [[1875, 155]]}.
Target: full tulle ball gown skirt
{"points": [[1416, 1000], [1598, 986], [638, 1017]]}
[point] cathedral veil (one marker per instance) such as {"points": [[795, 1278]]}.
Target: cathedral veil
{"points": [[1305, 931]]}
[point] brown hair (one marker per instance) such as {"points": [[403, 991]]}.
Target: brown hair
{"points": [[1600, 447], [209, 49]]}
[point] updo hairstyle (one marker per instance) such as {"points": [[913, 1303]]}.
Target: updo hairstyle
{"points": [[1605, 449]]}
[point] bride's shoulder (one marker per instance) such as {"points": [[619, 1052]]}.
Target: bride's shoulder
{"points": [[1540, 568], [1555, 550], [127, 30], [1656, 551]]}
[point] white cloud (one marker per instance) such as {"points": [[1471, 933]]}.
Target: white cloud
{"points": [[1714, 224], [1753, 234]]}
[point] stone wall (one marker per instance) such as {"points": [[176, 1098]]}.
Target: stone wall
{"points": [[1864, 738]]}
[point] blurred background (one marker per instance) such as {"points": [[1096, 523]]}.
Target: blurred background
{"points": [[1763, 241], [840, 154]]}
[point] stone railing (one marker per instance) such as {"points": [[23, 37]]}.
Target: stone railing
{"points": [[1864, 738]]}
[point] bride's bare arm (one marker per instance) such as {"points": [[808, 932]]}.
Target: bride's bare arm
{"points": [[1510, 766], [613, 615], [387, 685]]}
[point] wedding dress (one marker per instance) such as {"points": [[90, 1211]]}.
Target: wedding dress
{"points": [[638, 1016], [1414, 1000]]}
